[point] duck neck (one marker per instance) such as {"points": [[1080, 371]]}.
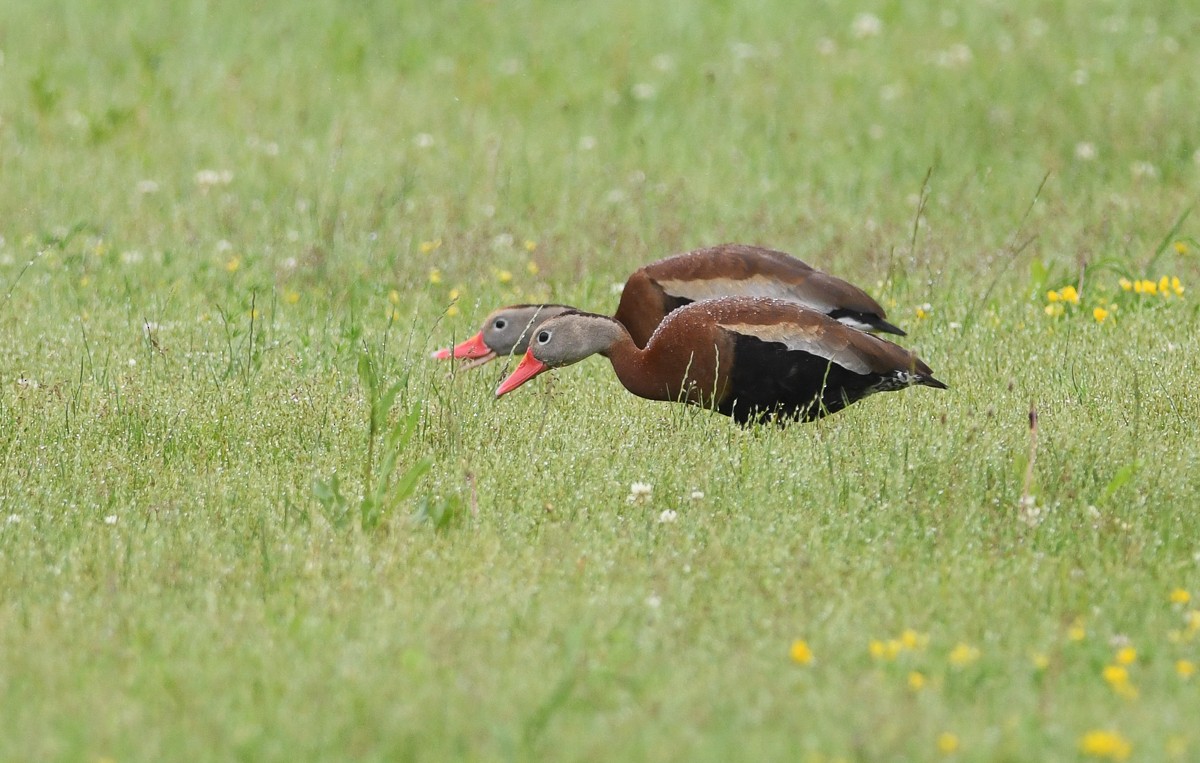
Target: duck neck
{"points": [[634, 369]]}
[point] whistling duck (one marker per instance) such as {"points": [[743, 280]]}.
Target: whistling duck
{"points": [[745, 357], [652, 292]]}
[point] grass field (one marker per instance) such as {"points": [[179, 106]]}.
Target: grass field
{"points": [[244, 516]]}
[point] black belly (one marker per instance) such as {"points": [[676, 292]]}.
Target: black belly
{"points": [[772, 381]]}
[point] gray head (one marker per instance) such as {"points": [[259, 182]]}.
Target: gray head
{"points": [[561, 341], [573, 336], [508, 330], [505, 332]]}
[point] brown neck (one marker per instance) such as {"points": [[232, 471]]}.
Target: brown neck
{"points": [[641, 308], [638, 372]]}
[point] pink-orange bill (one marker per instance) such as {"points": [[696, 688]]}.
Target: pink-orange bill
{"points": [[528, 368]]}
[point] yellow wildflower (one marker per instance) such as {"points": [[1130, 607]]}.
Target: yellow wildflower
{"points": [[1180, 596], [85, 281], [1039, 660], [963, 654], [1117, 677], [947, 743], [291, 297], [233, 264], [1164, 286], [435, 276], [911, 640], [923, 311], [1176, 286], [1181, 247], [1068, 294], [531, 268], [1100, 314], [801, 653], [1126, 284], [1077, 632], [1105, 744], [394, 297], [1126, 655], [253, 313], [451, 311], [530, 245], [884, 650], [428, 246], [1149, 287], [455, 293], [916, 680], [1054, 310], [1052, 296], [504, 276], [1185, 668]]}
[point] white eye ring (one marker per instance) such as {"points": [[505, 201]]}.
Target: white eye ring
{"points": [[543, 337]]}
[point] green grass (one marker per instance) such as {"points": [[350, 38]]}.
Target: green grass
{"points": [[183, 373]]}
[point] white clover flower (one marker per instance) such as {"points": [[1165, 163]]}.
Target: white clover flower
{"points": [[1143, 170], [653, 601], [146, 186], [13, 519], [209, 178], [667, 517], [644, 91], [866, 25], [639, 492], [111, 519], [1085, 151], [697, 495]]}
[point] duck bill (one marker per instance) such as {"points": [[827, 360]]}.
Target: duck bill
{"points": [[528, 368], [472, 349]]}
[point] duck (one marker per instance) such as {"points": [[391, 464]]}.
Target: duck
{"points": [[749, 358], [652, 292]]}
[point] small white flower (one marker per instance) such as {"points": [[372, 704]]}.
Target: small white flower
{"points": [[668, 516], [743, 51], [1143, 170], [423, 140], [639, 491], [653, 601], [617, 288], [1085, 151], [503, 241], [826, 46], [146, 186], [892, 92], [587, 143], [131, 257], [13, 519], [208, 178], [697, 495], [955, 56], [866, 25], [1079, 77], [111, 519], [224, 246], [663, 62], [615, 196], [132, 362], [1037, 27], [644, 91]]}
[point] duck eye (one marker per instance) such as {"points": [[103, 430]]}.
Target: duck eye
{"points": [[543, 337], [499, 324]]}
